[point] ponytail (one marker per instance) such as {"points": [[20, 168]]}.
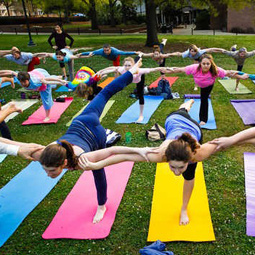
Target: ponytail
{"points": [[54, 155], [83, 90], [182, 149]]}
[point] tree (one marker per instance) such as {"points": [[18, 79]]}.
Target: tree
{"points": [[7, 4], [92, 13]]}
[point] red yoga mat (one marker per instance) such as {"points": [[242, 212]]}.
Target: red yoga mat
{"points": [[74, 217], [56, 111], [171, 80]]}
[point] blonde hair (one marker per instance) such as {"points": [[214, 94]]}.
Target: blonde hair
{"points": [[193, 47], [129, 59]]}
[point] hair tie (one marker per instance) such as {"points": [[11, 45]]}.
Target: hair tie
{"points": [[60, 143]]}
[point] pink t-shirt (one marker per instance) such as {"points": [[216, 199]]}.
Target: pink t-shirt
{"points": [[203, 79], [136, 77]]}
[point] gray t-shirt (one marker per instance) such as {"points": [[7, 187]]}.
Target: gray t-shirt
{"points": [[239, 60]]}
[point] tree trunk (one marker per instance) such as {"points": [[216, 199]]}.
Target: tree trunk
{"points": [[93, 14], [151, 23], [112, 20]]}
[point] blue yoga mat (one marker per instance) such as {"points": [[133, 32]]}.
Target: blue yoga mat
{"points": [[151, 103], [194, 113], [2, 157], [63, 89], [21, 195], [5, 84]]}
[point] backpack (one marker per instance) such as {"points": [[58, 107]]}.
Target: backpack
{"points": [[164, 89], [156, 133]]}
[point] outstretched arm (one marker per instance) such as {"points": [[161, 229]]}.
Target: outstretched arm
{"points": [[5, 52], [234, 74], [205, 151], [177, 54], [7, 73], [54, 80], [147, 54], [245, 136], [107, 70], [174, 70], [214, 50], [116, 154], [43, 54]]}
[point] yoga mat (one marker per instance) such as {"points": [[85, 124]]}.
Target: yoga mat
{"points": [[106, 109], [171, 80], [21, 195], [194, 113], [2, 157], [5, 84], [20, 103], [74, 217], [56, 111], [24, 90], [63, 89], [106, 82], [151, 103], [245, 109], [230, 86], [166, 206], [249, 169], [193, 96]]}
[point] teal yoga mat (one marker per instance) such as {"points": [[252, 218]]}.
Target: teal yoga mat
{"points": [[21, 195], [2, 157], [194, 113], [151, 103]]}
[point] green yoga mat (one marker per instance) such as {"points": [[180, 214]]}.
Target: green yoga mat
{"points": [[230, 86], [106, 109]]}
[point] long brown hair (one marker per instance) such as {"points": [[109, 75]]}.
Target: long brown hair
{"points": [[83, 90], [54, 155], [213, 69], [182, 148]]}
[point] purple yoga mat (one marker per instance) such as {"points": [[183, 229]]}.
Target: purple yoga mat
{"points": [[249, 168], [245, 109], [193, 96]]}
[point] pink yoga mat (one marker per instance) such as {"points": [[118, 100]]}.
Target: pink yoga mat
{"points": [[249, 166], [56, 111], [171, 80], [74, 217]]}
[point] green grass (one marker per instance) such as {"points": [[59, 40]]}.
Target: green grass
{"points": [[223, 172]]}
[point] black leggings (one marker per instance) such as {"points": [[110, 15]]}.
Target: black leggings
{"points": [[140, 89], [5, 131], [203, 112]]}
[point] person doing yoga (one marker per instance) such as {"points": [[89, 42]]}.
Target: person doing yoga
{"points": [[205, 74], [38, 80], [138, 78], [85, 134], [182, 149]]}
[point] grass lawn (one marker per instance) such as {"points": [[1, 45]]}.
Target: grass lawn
{"points": [[224, 172]]}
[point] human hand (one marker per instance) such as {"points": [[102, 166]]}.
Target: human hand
{"points": [[146, 150], [85, 164], [26, 151], [90, 54], [67, 47], [55, 47], [222, 143]]}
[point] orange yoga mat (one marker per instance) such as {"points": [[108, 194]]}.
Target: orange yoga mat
{"points": [[166, 206], [171, 80], [106, 82]]}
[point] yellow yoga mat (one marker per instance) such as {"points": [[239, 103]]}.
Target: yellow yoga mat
{"points": [[106, 109], [166, 206], [106, 82]]}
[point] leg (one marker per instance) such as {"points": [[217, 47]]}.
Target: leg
{"points": [[140, 88], [47, 101], [187, 105], [101, 187], [239, 68], [164, 41], [71, 69], [31, 65], [5, 131], [62, 66], [203, 112], [9, 110]]}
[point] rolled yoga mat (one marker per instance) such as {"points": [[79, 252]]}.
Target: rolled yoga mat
{"points": [[194, 113], [74, 217], [230, 86], [56, 111], [151, 103], [22, 103], [245, 109], [166, 206], [106, 109], [21, 195], [171, 80], [249, 169]]}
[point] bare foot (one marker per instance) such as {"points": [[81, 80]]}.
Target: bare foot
{"points": [[195, 88], [202, 123], [164, 41], [14, 108], [236, 89], [184, 219], [140, 119], [101, 209], [46, 119]]}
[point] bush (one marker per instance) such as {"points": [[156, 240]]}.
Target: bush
{"points": [[237, 30]]}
